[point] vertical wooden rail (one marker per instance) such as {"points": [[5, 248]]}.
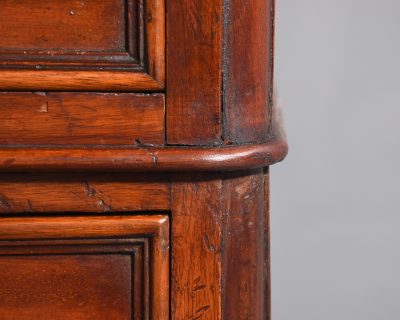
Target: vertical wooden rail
{"points": [[244, 247], [194, 72], [196, 248], [247, 69]]}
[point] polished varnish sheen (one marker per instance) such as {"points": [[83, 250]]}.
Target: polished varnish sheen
{"points": [[71, 118], [82, 45], [135, 143], [84, 267]]}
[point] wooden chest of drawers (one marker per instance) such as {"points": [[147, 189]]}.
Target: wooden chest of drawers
{"points": [[135, 140]]}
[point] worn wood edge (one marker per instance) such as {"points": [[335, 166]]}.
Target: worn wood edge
{"points": [[79, 80], [27, 228], [156, 41], [143, 158]]}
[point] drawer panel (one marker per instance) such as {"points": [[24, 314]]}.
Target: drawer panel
{"points": [[81, 119], [84, 268], [82, 45], [50, 286], [62, 26]]}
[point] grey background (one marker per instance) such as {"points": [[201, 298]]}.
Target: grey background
{"points": [[336, 198]]}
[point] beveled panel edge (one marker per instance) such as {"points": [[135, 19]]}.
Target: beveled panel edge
{"points": [[83, 59], [143, 158], [148, 75], [83, 226], [52, 80]]}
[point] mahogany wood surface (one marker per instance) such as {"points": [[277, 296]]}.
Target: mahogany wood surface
{"points": [[244, 250], [134, 155], [84, 268], [91, 193], [63, 286], [194, 72], [71, 80], [219, 250], [267, 251], [144, 158], [42, 24], [52, 118], [196, 249], [82, 45], [248, 72]]}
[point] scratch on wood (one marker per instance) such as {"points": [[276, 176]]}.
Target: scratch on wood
{"points": [[207, 243], [105, 207], [90, 192], [199, 287], [200, 313], [202, 309], [153, 156], [138, 143], [30, 208], [4, 204]]}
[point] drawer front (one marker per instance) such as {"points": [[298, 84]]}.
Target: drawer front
{"points": [[55, 118], [84, 268], [82, 45]]}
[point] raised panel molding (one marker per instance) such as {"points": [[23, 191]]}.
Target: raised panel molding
{"points": [[75, 267], [109, 45]]}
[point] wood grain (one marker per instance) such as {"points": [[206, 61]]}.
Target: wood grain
{"points": [[71, 80], [143, 158], [267, 245], [155, 41], [194, 72], [196, 250], [248, 73], [63, 287], [244, 255], [220, 260], [55, 260], [42, 24], [111, 45], [71, 161], [81, 119], [96, 193]]}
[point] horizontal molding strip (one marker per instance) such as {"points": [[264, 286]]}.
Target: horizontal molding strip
{"points": [[135, 159]]}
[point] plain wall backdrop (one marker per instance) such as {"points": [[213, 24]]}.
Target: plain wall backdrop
{"points": [[335, 208]]}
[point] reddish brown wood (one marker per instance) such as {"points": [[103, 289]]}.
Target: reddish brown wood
{"points": [[220, 260], [248, 40], [267, 262], [244, 253], [63, 287], [77, 80], [196, 248], [154, 17], [81, 119], [56, 258], [60, 154], [96, 193], [194, 72], [42, 24], [144, 158], [82, 45]]}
